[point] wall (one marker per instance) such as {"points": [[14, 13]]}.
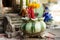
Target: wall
{"points": [[55, 11], [0, 6]]}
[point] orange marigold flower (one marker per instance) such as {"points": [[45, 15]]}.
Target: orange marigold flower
{"points": [[34, 5]]}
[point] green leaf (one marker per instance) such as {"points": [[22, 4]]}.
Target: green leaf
{"points": [[33, 27]]}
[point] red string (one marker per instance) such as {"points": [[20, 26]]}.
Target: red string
{"points": [[31, 12]]}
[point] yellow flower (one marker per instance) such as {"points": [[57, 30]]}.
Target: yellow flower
{"points": [[37, 5], [34, 5], [30, 5]]}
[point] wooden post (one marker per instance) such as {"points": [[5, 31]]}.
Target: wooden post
{"points": [[14, 8]]}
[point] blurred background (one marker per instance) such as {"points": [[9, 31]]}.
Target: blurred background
{"points": [[54, 9]]}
